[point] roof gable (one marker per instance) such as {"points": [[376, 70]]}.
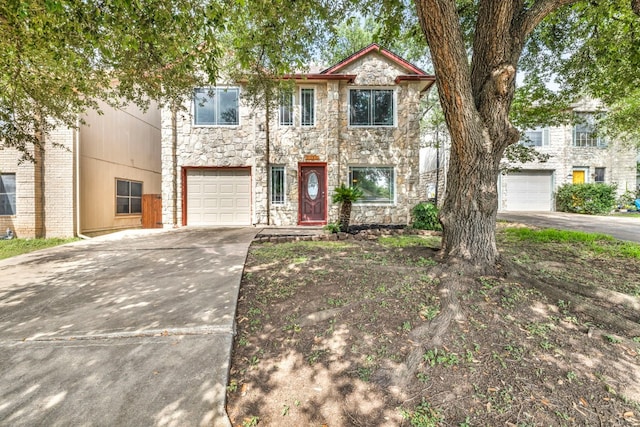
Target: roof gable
{"points": [[397, 60]]}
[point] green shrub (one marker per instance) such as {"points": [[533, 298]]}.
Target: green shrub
{"points": [[592, 199], [425, 217]]}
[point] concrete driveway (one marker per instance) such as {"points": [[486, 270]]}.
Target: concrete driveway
{"points": [[134, 329], [623, 227]]}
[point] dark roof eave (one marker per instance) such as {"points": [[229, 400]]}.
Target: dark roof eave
{"points": [[315, 76]]}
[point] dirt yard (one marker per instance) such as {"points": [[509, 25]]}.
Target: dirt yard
{"points": [[322, 324]]}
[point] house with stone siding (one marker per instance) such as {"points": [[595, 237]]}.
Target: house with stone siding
{"points": [[577, 154], [356, 122], [86, 181]]}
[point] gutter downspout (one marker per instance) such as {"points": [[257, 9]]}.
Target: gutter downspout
{"points": [[77, 182]]}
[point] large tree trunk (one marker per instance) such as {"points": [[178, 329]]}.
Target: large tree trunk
{"points": [[475, 99]]}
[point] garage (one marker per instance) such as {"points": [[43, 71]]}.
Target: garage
{"points": [[527, 191], [218, 196]]}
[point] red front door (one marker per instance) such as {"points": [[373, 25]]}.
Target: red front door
{"points": [[313, 194]]}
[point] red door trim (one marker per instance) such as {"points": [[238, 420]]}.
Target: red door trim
{"points": [[184, 184], [326, 195]]}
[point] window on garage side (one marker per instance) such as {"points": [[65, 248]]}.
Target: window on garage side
{"points": [[371, 107], [128, 197], [535, 138], [8, 194], [377, 184], [216, 106], [277, 185]]}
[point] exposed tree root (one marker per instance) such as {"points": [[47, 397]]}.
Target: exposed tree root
{"points": [[567, 291], [454, 281]]}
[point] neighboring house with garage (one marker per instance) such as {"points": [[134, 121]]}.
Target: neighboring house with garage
{"points": [[577, 154], [89, 180], [356, 122]]}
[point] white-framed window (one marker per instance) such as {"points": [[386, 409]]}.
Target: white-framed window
{"points": [[377, 183], [585, 132], [286, 108], [216, 106], [371, 107], [598, 175], [278, 185], [128, 197], [307, 107], [7, 194], [538, 137]]}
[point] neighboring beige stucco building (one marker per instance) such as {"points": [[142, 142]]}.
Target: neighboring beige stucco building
{"points": [[71, 189], [356, 122]]}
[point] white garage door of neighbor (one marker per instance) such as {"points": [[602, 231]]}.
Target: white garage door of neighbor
{"points": [[218, 197], [528, 191]]}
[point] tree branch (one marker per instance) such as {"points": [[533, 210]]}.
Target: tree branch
{"points": [[529, 19], [635, 6]]}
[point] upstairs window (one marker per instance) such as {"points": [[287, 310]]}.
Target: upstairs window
{"points": [[128, 197], [371, 107], [8, 194], [377, 184], [535, 138], [307, 107], [585, 131], [286, 108], [216, 106]]}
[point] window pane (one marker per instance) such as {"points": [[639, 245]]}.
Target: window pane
{"points": [[286, 108], [383, 107], [136, 205], [7, 204], [122, 188], [228, 99], [599, 175], [277, 185], [533, 138], [7, 183], [122, 205], [204, 107], [8, 194], [360, 101], [136, 189], [307, 107], [376, 184]]}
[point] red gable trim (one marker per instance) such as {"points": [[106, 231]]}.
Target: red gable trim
{"points": [[382, 51]]}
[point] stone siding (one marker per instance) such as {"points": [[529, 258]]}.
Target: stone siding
{"points": [[331, 141]]}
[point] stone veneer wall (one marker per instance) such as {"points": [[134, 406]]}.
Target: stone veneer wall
{"points": [[330, 140]]}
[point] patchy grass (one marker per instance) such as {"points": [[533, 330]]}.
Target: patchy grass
{"points": [[11, 248], [594, 242], [322, 324]]}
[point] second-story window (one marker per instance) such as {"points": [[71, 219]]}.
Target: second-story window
{"points": [[536, 138], [216, 106], [371, 107], [307, 107], [286, 108], [585, 132]]}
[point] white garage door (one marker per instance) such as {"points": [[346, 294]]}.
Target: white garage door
{"points": [[528, 191], [218, 197]]}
